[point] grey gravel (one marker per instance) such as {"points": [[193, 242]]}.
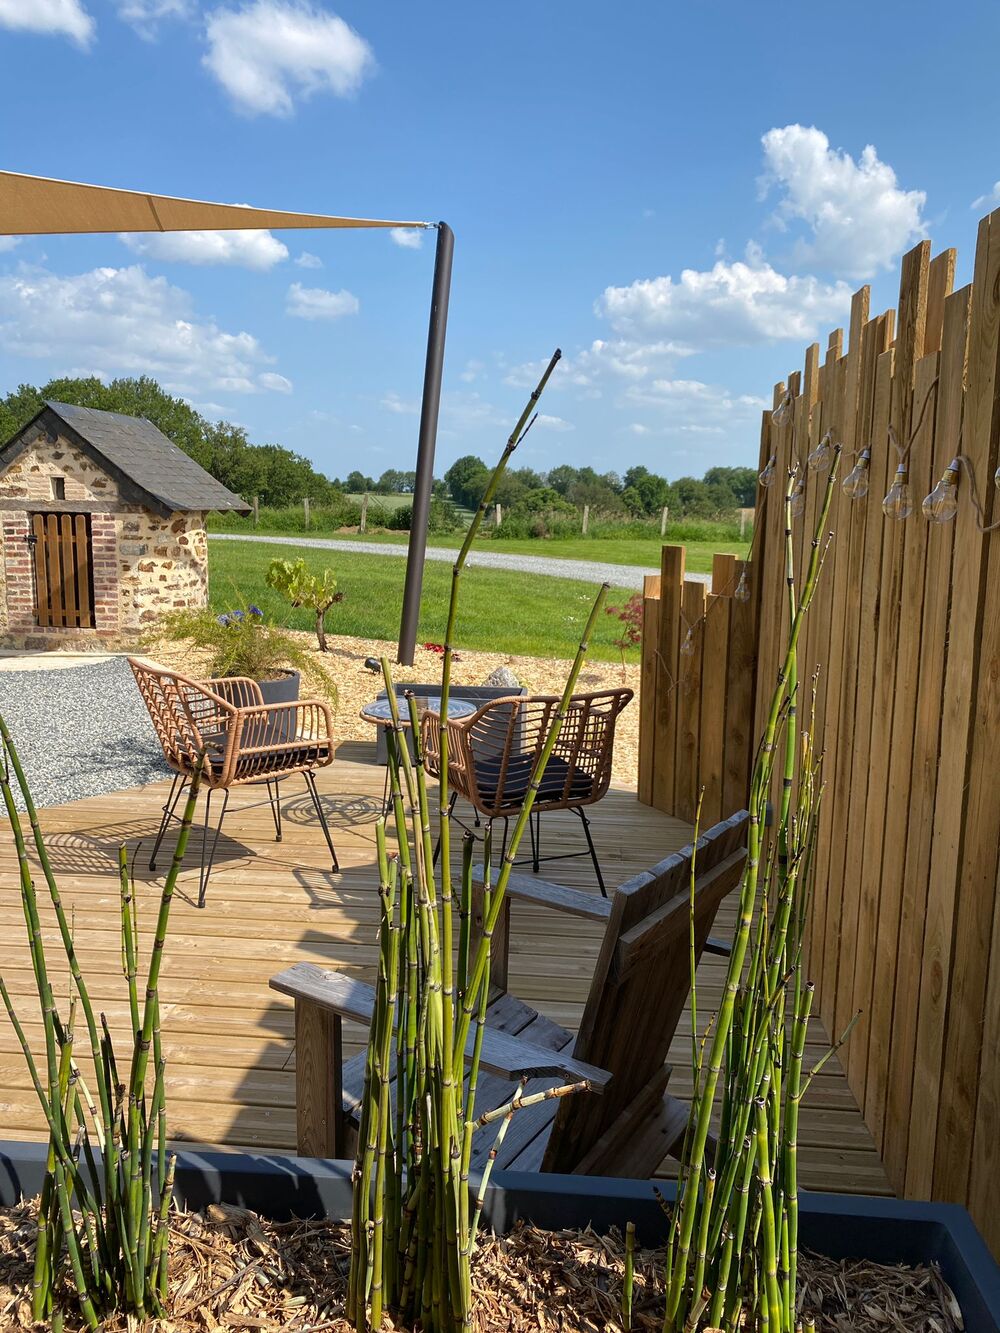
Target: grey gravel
{"points": [[589, 571], [80, 731]]}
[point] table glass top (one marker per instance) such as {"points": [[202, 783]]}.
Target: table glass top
{"points": [[378, 710]]}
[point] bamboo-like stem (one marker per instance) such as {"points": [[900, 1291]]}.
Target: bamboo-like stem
{"points": [[629, 1278]]}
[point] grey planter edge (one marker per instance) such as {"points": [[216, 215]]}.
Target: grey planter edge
{"points": [[837, 1225]]}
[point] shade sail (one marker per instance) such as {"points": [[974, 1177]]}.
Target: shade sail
{"points": [[37, 206]]}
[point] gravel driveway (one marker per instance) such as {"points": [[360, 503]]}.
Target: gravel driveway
{"points": [[80, 731], [589, 571]]}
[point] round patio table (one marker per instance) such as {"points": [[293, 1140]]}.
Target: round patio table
{"points": [[379, 714]]}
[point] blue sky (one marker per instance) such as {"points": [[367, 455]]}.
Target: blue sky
{"points": [[681, 197]]}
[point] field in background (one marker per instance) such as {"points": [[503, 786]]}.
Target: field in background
{"points": [[701, 538], [500, 612]]}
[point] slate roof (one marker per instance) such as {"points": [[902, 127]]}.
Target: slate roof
{"points": [[146, 464]]}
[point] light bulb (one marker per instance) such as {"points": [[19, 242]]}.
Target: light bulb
{"points": [[899, 502], [742, 593], [822, 456], [783, 412], [941, 505], [767, 476], [687, 647], [996, 479], [856, 481], [797, 501]]}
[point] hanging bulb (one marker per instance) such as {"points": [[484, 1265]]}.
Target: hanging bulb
{"points": [[822, 456], [941, 505], [798, 499], [783, 412], [742, 593], [687, 647], [996, 479], [856, 481], [899, 502], [767, 476]]}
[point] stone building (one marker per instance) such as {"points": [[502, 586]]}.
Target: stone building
{"points": [[102, 528]]}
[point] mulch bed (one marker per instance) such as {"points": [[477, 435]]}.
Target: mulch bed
{"points": [[230, 1269]]}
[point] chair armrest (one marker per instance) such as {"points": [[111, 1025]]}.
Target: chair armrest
{"points": [[531, 889], [286, 724], [240, 691], [718, 947], [503, 1054]]}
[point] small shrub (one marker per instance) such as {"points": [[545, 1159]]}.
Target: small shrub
{"points": [[630, 616], [316, 592]]}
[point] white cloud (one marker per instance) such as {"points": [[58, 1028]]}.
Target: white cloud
{"points": [[473, 369], [408, 238], [57, 18], [306, 260], [605, 359], [128, 323], [392, 402], [989, 200], [859, 218], [269, 52], [146, 15], [246, 249], [8, 242], [276, 383], [559, 424], [682, 406], [739, 303], [315, 303]]}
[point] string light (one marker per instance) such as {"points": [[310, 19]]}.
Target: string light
{"points": [[742, 593], [898, 503], [996, 477], [767, 476], [783, 412], [822, 456], [687, 647], [856, 482], [941, 505], [797, 501]]}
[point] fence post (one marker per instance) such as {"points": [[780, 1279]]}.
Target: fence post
{"points": [[256, 510], [664, 512], [305, 509], [498, 516], [586, 519], [364, 512]]}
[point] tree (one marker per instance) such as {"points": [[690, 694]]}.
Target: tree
{"points": [[741, 482], [394, 482], [357, 483], [467, 478], [561, 478]]}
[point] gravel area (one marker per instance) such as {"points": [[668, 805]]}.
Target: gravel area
{"points": [[80, 731], [589, 571]]}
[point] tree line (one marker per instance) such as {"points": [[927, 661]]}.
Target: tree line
{"points": [[282, 478]]}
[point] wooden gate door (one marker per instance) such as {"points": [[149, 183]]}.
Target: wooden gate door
{"points": [[63, 582]]}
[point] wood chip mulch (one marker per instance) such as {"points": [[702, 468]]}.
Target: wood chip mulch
{"points": [[232, 1270]]}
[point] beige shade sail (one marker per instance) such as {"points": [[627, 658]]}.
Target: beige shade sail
{"points": [[38, 206]]}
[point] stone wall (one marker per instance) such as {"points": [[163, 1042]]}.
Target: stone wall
{"points": [[143, 565]]}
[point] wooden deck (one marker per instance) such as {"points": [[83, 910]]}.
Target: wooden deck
{"points": [[229, 1039]]}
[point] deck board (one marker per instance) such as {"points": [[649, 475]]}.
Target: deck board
{"points": [[229, 1040]]}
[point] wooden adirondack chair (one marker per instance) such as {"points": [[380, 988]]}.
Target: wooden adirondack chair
{"points": [[637, 995]]}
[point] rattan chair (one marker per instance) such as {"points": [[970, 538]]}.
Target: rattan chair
{"points": [[244, 741], [492, 754]]}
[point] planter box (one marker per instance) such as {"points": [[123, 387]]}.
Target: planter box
{"points": [[283, 690], [837, 1225], [477, 694]]}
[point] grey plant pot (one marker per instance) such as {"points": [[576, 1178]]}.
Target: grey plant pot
{"points": [[283, 690], [887, 1231]]}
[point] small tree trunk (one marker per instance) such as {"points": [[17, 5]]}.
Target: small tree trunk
{"points": [[321, 629]]}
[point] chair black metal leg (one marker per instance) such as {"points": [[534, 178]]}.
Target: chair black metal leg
{"points": [[275, 803], [318, 806], [535, 829], [593, 853], [174, 795], [437, 846], [208, 857]]}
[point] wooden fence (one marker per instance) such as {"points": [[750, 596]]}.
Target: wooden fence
{"points": [[697, 691], [905, 631]]}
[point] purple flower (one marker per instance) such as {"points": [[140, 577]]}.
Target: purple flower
{"points": [[256, 611], [223, 619], [236, 615]]}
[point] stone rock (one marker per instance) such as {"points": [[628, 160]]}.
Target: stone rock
{"points": [[502, 678]]}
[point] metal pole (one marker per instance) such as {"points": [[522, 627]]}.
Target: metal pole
{"points": [[430, 407]]}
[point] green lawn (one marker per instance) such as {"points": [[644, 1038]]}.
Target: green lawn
{"points": [[498, 612], [611, 550]]}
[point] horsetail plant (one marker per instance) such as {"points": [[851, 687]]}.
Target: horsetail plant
{"points": [[416, 1208], [733, 1243], [104, 1209]]}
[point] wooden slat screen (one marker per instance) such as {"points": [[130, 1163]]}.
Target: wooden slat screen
{"points": [[695, 706], [905, 633], [63, 588]]}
